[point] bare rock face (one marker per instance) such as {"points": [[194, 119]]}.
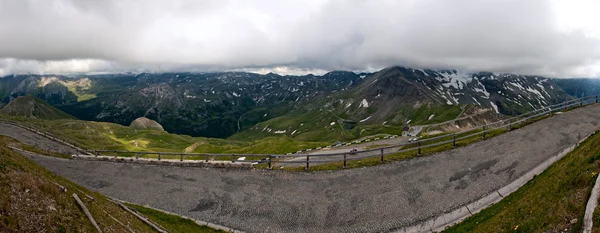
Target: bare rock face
{"points": [[145, 123]]}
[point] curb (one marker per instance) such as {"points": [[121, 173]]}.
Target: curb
{"points": [[591, 205], [165, 162]]}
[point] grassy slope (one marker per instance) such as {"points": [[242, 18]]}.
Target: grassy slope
{"points": [[30, 201], [172, 222], [31, 106], [549, 202], [315, 126], [100, 135]]}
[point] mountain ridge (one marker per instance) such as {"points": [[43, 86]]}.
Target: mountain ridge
{"points": [[226, 103]]}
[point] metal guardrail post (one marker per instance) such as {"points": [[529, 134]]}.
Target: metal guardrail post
{"points": [[454, 141], [232, 159], [181, 157], [381, 155], [419, 145], [115, 154], [270, 158], [483, 134], [136, 156], [344, 160], [158, 156], [596, 98], [307, 162], [95, 153], [581, 103]]}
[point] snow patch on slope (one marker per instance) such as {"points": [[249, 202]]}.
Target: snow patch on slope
{"points": [[364, 104], [366, 119], [457, 80]]}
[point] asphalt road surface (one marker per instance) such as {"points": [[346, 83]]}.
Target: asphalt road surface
{"points": [[371, 199]]}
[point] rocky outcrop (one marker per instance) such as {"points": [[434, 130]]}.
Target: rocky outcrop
{"points": [[145, 123]]}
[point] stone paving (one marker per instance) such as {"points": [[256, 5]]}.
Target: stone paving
{"points": [[371, 199]]}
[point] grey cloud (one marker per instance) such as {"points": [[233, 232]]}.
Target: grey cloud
{"points": [[494, 35]]}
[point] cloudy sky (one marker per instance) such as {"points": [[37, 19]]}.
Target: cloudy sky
{"points": [[551, 38]]}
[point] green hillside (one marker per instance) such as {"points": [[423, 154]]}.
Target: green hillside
{"points": [[33, 107]]}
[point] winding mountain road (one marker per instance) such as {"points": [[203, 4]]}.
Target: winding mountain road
{"points": [[371, 199]]}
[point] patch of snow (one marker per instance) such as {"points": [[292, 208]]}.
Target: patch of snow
{"points": [[538, 93], [430, 117], [280, 131], [364, 104], [235, 94], [378, 95], [362, 76], [423, 71], [408, 122], [366, 119], [543, 89], [265, 115], [293, 132], [206, 101], [475, 100], [332, 123], [518, 85], [385, 122], [457, 80], [494, 106], [482, 90], [348, 104]]}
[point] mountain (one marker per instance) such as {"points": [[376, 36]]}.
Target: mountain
{"points": [[197, 104], [399, 97], [580, 87], [248, 105], [145, 123], [33, 107]]}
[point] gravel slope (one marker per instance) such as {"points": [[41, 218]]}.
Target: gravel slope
{"points": [[369, 199]]}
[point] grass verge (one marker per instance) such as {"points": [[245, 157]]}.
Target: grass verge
{"points": [[172, 222]]}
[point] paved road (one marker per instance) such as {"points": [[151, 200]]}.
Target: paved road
{"points": [[34, 139], [369, 199]]}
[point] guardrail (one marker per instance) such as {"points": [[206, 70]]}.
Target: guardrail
{"points": [[417, 146], [44, 134]]}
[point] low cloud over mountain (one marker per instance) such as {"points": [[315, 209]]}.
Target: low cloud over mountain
{"points": [[550, 38]]}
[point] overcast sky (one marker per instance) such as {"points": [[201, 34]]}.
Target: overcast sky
{"points": [[550, 38]]}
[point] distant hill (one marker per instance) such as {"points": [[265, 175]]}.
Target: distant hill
{"points": [[145, 123], [33, 107]]}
